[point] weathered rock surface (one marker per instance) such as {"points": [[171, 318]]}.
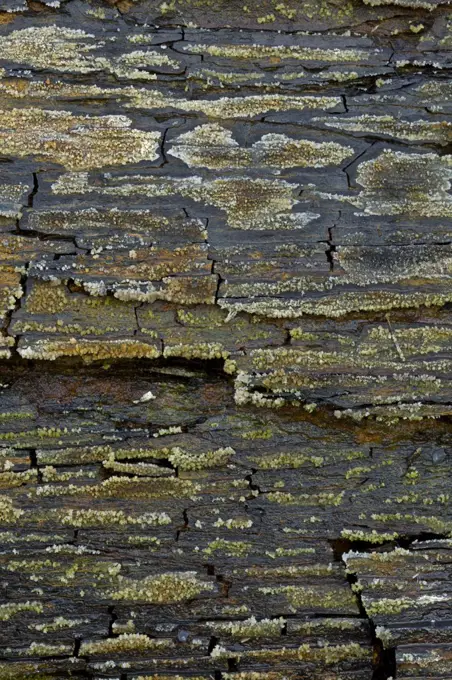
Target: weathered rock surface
{"points": [[225, 344]]}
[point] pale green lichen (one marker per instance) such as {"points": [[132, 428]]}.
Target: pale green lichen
{"points": [[139, 469], [335, 306], [186, 460], [250, 628], [289, 460], [301, 597], [300, 53], [234, 523], [229, 107], [126, 643], [199, 350], [39, 649], [319, 499], [290, 570], [126, 487], [229, 548], [390, 606], [332, 654], [89, 350], [369, 536], [167, 588], [255, 204], [12, 608], [107, 518], [58, 623], [397, 183], [9, 514]]}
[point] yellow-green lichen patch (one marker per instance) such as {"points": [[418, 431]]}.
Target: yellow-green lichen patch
{"points": [[234, 523], [58, 623], [411, 342], [9, 513], [277, 461], [12, 198], [282, 52], [165, 588], [381, 348], [75, 517], [148, 58], [139, 469], [397, 183], [39, 649], [389, 606], [250, 628], [315, 627], [185, 460], [21, 670], [200, 350], [10, 609], [332, 654], [252, 204], [214, 147], [436, 132], [392, 415], [91, 350], [229, 548], [140, 98], [128, 643], [308, 598], [10, 479], [338, 305], [76, 142], [290, 570], [126, 487], [415, 4], [66, 50], [228, 107], [256, 204], [185, 289], [322, 499], [369, 536]]}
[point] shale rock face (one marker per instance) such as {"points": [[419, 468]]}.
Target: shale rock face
{"points": [[225, 349]]}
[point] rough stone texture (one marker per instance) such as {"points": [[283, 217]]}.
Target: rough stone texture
{"points": [[225, 344]]}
